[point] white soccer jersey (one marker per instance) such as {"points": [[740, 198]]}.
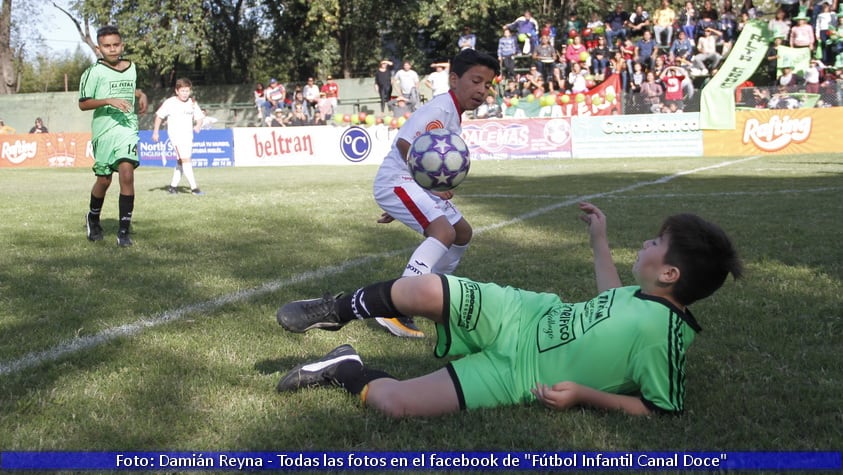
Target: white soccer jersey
{"points": [[441, 112], [180, 117]]}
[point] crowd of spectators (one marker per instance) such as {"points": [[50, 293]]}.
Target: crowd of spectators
{"points": [[658, 57]]}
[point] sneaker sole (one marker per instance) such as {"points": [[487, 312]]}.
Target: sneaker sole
{"points": [[394, 326]]}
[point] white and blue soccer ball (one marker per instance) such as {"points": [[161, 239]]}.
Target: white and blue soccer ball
{"points": [[438, 160]]}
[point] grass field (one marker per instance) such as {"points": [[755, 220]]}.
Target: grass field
{"points": [[173, 345]]}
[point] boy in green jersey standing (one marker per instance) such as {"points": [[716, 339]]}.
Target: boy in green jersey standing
{"points": [[624, 349], [109, 89]]}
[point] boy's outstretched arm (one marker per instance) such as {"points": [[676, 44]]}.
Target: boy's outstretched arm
{"points": [[567, 394], [604, 268]]}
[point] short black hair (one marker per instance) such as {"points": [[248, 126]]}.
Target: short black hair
{"points": [[468, 57], [703, 253], [108, 30]]}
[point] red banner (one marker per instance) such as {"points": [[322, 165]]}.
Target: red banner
{"points": [[46, 150]]}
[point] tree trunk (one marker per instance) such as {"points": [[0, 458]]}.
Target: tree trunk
{"points": [[8, 75]]}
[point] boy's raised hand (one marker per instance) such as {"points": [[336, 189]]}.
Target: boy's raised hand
{"points": [[595, 219]]}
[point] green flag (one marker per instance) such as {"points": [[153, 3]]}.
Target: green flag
{"points": [[717, 103]]}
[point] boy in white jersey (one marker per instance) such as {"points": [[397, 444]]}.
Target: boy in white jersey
{"points": [[184, 117], [109, 89], [623, 349], [430, 213]]}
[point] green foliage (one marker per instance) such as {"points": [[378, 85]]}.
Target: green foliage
{"points": [[48, 73]]}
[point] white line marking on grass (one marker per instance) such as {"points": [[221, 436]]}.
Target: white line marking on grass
{"points": [[130, 329], [668, 195]]}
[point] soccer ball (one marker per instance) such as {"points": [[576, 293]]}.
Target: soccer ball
{"points": [[438, 160]]}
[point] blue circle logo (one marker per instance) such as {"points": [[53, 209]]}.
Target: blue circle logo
{"points": [[355, 144]]}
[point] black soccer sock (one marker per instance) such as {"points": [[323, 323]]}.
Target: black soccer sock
{"points": [[354, 378], [372, 301], [127, 205], [96, 207]]}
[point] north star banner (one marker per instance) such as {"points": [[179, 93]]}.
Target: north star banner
{"points": [[717, 103]]}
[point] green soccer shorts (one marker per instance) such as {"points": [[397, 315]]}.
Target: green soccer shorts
{"points": [[118, 145], [484, 324]]}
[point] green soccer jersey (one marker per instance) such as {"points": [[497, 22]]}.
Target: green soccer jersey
{"points": [[100, 81], [621, 341]]}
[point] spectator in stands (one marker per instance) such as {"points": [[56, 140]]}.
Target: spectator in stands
{"points": [[645, 50], [298, 117], [507, 49], [617, 65], [600, 60], [673, 79], [512, 90], [261, 103], [408, 84], [489, 109], [383, 82], [298, 100], [663, 19], [802, 35], [311, 95], [628, 51], [782, 99], [545, 58], [526, 28], [400, 107], [325, 106], [773, 58], [789, 79], [39, 127], [780, 25], [651, 93], [688, 18], [790, 7], [708, 18], [639, 21], [331, 90], [682, 49], [728, 26], [467, 39], [707, 57], [812, 76], [438, 81], [824, 24], [748, 7], [574, 51], [615, 24], [275, 95], [576, 79], [550, 31], [574, 23], [659, 65], [278, 118], [636, 81], [597, 27], [6, 129]]}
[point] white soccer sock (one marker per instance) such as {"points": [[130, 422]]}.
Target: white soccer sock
{"points": [[450, 260], [176, 176], [429, 252], [188, 173]]}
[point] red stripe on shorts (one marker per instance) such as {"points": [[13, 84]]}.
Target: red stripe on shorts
{"points": [[411, 206]]}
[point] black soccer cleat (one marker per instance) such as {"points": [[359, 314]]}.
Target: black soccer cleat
{"points": [[92, 228], [123, 239], [403, 327], [322, 372], [303, 315], [197, 192], [172, 190]]}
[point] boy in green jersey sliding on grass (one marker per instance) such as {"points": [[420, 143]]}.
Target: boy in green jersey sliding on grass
{"points": [[109, 89], [624, 349]]}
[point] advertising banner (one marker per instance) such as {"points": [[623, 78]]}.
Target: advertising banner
{"points": [[778, 132], [211, 148], [650, 135], [717, 102], [46, 150], [317, 145], [508, 139]]}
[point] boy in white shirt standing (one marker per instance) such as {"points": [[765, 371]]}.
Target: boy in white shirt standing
{"points": [[184, 117]]}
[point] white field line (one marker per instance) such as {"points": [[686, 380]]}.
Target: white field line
{"points": [[130, 329], [724, 194]]}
